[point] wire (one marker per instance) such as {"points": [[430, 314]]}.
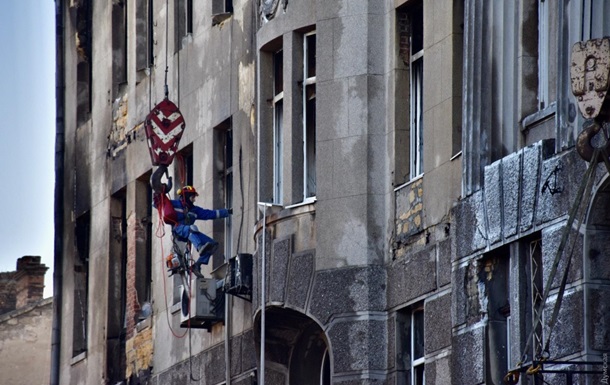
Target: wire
{"points": [[241, 190], [166, 89]]}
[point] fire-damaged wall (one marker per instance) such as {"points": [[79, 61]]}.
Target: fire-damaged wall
{"points": [[400, 174]]}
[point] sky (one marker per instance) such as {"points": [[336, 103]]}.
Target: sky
{"points": [[27, 127]]}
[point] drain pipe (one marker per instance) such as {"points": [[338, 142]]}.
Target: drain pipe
{"points": [[58, 198], [228, 306], [263, 289]]}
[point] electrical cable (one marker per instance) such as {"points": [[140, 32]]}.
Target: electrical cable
{"points": [[241, 191], [166, 88]]}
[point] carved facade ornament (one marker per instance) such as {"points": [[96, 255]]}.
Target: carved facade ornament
{"points": [[590, 80], [589, 75], [268, 8]]}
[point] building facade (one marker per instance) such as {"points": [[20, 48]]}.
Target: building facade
{"points": [[400, 171]]}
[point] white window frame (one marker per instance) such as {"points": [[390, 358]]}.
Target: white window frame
{"points": [[228, 191], [420, 361], [278, 117], [416, 101], [543, 54], [306, 82]]}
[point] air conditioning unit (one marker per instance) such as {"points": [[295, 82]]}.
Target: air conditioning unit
{"points": [[202, 307], [238, 281]]}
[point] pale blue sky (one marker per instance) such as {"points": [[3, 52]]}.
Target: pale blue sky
{"points": [[27, 145]]}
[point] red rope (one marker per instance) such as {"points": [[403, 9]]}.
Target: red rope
{"points": [[161, 230]]}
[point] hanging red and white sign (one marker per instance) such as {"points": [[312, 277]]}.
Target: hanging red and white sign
{"points": [[164, 127]]}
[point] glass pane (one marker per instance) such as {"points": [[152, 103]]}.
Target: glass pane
{"points": [[310, 140], [600, 23], [417, 28], [229, 149], [417, 121], [277, 156], [311, 55], [420, 375], [418, 334], [278, 72]]}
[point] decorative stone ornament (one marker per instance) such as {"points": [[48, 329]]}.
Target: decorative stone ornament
{"points": [[164, 127], [589, 75]]}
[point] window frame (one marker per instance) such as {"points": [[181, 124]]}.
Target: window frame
{"points": [[416, 95], [419, 362], [543, 54], [278, 124], [308, 81]]}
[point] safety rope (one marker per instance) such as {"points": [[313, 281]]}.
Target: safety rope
{"points": [[169, 325], [585, 185]]}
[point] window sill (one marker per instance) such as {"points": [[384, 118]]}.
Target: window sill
{"points": [[307, 201], [538, 116], [285, 213], [144, 324], [420, 176], [78, 358], [220, 17]]}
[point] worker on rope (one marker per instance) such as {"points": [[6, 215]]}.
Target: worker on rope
{"points": [[185, 229]]}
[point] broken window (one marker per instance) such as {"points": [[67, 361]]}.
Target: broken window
{"points": [[411, 346], [116, 296], [309, 116], [82, 24], [144, 34], [183, 22], [82, 233], [495, 275], [143, 275], [119, 42]]}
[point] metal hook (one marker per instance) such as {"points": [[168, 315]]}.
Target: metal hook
{"points": [[584, 147]]}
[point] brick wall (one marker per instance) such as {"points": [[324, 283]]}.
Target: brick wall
{"points": [[24, 286], [409, 212]]}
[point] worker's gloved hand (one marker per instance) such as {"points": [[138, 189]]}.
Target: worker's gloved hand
{"points": [[230, 211]]}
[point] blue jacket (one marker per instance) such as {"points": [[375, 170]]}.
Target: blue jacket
{"points": [[196, 213]]}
